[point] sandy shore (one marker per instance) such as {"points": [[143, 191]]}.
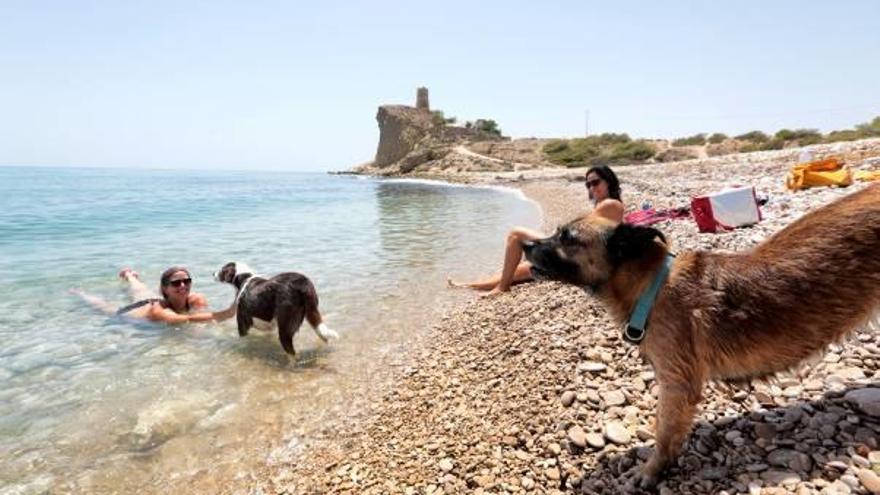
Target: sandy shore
{"points": [[533, 391]]}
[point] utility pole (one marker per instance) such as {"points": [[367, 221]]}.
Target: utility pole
{"points": [[587, 122]]}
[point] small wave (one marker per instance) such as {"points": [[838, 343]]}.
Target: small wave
{"points": [[434, 182]]}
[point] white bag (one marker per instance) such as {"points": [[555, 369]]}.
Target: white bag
{"points": [[726, 209]]}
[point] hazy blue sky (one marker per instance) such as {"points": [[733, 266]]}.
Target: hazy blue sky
{"points": [[279, 85]]}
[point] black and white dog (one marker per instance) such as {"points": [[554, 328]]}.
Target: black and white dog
{"points": [[283, 300]]}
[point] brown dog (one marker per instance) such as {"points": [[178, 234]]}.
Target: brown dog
{"points": [[729, 316]]}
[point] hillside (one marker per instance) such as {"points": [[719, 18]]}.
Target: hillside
{"points": [[419, 141]]}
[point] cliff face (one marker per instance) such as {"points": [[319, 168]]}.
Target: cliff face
{"points": [[411, 140], [400, 129]]}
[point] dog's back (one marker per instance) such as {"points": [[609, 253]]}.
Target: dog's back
{"points": [[265, 295], [285, 300], [803, 288]]}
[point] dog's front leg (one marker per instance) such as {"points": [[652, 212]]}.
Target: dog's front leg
{"points": [[675, 414], [244, 323]]}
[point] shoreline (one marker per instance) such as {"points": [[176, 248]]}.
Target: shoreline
{"points": [[487, 401]]}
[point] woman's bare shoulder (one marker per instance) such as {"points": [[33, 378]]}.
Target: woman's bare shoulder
{"points": [[611, 209], [198, 301]]}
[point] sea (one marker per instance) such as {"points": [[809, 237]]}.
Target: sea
{"points": [[91, 403]]}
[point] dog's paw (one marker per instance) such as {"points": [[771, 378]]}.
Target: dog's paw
{"points": [[326, 333], [641, 481]]}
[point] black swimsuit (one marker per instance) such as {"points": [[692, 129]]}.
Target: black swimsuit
{"points": [[135, 305], [143, 302]]}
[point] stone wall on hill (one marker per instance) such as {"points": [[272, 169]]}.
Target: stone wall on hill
{"points": [[408, 136], [400, 128]]}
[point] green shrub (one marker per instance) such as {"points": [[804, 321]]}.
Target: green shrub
{"points": [[695, 140], [633, 151], [773, 144], [438, 118], [847, 135], [582, 151], [809, 138], [573, 152], [618, 148], [488, 126], [869, 129], [754, 137], [717, 138], [784, 134], [555, 146], [803, 137], [594, 149], [608, 139]]}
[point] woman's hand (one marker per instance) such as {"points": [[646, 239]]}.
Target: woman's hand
{"points": [[170, 317]]}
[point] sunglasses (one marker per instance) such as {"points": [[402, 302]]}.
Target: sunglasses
{"points": [[180, 282], [593, 183]]}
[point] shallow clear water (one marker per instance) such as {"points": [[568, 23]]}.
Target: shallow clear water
{"points": [[95, 404]]}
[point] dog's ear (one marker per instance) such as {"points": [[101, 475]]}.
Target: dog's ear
{"points": [[629, 242]]}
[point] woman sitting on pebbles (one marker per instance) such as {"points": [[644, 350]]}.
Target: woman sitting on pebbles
{"points": [[603, 188], [177, 304]]}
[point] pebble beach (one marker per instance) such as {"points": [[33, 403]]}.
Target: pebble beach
{"points": [[534, 391]]}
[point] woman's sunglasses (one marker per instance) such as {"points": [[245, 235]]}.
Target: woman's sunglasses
{"points": [[181, 281], [593, 183]]}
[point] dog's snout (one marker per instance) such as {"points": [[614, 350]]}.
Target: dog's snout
{"points": [[528, 245]]}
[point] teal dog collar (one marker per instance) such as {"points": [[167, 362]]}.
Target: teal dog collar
{"points": [[635, 329]]}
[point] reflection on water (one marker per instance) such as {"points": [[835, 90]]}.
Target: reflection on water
{"points": [[90, 404]]}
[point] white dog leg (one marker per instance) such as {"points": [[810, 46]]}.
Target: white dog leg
{"points": [[325, 333]]}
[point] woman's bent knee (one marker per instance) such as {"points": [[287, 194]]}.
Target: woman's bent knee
{"points": [[517, 235]]}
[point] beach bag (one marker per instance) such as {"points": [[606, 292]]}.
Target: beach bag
{"points": [[821, 173], [726, 210]]}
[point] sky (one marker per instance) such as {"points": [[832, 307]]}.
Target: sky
{"points": [[295, 85]]}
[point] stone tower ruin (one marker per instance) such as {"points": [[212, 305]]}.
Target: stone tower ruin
{"points": [[422, 99]]}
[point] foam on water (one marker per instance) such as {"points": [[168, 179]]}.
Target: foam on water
{"points": [[95, 404]]}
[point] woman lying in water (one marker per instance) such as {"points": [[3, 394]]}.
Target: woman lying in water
{"points": [[176, 306], [603, 189]]}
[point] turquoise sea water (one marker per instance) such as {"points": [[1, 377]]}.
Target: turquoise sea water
{"points": [[94, 404]]}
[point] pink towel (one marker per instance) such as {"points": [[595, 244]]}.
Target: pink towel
{"points": [[652, 216]]}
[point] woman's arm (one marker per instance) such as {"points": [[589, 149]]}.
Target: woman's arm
{"points": [[170, 317]]}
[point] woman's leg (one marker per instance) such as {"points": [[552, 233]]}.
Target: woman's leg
{"points": [[514, 269], [95, 302], [486, 284], [136, 288]]}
